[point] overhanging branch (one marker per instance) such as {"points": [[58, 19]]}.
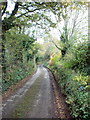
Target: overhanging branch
{"points": [[28, 12], [15, 10], [56, 45], [5, 3]]}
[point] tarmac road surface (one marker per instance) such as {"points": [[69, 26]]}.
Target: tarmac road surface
{"points": [[33, 100]]}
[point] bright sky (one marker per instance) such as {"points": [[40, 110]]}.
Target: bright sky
{"points": [[54, 32], [40, 40], [10, 5]]}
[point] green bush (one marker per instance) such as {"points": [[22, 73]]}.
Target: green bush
{"points": [[72, 73], [16, 74], [74, 86]]}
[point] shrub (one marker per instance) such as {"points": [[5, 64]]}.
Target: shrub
{"points": [[74, 86], [16, 74]]}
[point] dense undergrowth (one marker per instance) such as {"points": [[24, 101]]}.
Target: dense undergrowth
{"points": [[19, 54], [17, 73], [72, 73]]}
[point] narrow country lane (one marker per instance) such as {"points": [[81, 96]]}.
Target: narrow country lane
{"points": [[33, 100]]}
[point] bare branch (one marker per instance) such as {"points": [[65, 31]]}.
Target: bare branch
{"points": [[15, 10], [5, 3], [74, 24], [56, 45], [28, 12]]}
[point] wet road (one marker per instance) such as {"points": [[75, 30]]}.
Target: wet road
{"points": [[33, 100]]}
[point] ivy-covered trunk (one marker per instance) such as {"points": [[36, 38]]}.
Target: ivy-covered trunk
{"points": [[88, 59], [3, 58]]}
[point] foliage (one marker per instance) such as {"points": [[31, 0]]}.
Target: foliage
{"points": [[20, 51], [54, 58], [16, 74], [76, 58], [72, 75]]}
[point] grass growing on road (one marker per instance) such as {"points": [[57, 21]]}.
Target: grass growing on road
{"points": [[27, 100]]}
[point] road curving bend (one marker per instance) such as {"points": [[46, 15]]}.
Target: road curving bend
{"points": [[33, 100], [39, 97]]}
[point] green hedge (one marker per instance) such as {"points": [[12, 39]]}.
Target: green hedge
{"points": [[74, 86], [16, 74]]}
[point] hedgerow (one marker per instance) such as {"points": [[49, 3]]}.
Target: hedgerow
{"points": [[72, 76]]}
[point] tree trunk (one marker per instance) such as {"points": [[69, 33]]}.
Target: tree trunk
{"points": [[3, 58], [2, 50], [0, 46], [34, 60], [88, 53]]}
